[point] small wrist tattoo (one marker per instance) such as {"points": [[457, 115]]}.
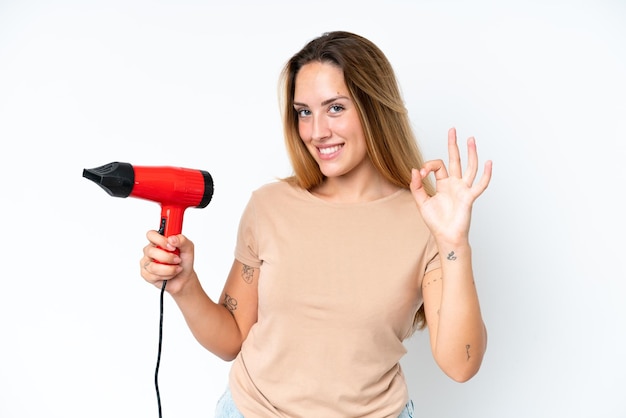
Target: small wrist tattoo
{"points": [[451, 256]]}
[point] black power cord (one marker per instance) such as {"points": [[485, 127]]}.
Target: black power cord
{"points": [[156, 371]]}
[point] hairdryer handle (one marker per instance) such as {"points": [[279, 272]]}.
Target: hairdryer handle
{"points": [[171, 223]]}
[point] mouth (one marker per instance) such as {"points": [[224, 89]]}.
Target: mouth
{"points": [[329, 151]]}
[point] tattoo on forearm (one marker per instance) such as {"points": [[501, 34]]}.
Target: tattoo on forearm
{"points": [[247, 273], [467, 347], [451, 256], [230, 303], [433, 281]]}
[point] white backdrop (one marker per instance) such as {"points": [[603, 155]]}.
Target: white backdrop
{"points": [[187, 83]]}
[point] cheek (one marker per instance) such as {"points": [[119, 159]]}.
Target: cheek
{"points": [[305, 132], [347, 126]]}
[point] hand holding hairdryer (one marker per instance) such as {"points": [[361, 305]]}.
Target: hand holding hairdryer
{"points": [[174, 188]]}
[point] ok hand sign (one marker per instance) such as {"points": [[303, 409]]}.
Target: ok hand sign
{"points": [[447, 213]]}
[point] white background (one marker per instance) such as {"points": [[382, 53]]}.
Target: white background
{"points": [[187, 83]]}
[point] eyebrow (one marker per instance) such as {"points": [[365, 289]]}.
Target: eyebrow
{"points": [[325, 102]]}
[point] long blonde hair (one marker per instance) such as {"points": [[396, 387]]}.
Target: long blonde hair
{"points": [[371, 81]]}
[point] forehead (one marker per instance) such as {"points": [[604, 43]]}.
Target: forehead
{"points": [[319, 79]]}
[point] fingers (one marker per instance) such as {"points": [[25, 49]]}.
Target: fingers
{"points": [[170, 244], [485, 179], [153, 271], [434, 166], [417, 188], [472, 161], [160, 249], [472, 169], [156, 239], [156, 273], [161, 260], [454, 170], [454, 157]]}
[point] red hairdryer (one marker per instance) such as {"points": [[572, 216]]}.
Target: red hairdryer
{"points": [[174, 188]]}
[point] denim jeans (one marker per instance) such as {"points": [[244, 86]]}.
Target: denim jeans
{"points": [[226, 408]]}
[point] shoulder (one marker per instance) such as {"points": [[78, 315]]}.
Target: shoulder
{"points": [[273, 187], [277, 190]]}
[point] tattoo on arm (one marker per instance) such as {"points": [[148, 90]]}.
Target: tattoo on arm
{"points": [[247, 273], [467, 347], [433, 281], [451, 256], [230, 303]]}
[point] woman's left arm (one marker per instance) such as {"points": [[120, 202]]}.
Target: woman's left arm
{"points": [[457, 332]]}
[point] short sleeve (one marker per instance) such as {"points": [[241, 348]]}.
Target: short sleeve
{"points": [[246, 248], [432, 255]]}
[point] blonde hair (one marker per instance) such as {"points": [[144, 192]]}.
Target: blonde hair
{"points": [[371, 81]]}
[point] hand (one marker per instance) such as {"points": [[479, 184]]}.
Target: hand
{"points": [[167, 258], [448, 212]]}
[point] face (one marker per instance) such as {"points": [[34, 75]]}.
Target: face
{"points": [[328, 121]]}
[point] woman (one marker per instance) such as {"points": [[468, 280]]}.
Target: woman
{"points": [[336, 265]]}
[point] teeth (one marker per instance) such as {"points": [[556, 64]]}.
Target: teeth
{"points": [[329, 150]]}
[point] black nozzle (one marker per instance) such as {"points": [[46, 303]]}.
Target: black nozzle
{"points": [[117, 179]]}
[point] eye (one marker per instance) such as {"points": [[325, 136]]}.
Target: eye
{"points": [[302, 113], [335, 108]]}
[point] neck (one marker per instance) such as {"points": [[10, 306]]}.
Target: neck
{"points": [[345, 189]]}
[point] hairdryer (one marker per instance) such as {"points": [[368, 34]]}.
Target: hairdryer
{"points": [[174, 188]]}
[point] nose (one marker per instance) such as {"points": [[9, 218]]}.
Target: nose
{"points": [[320, 129]]}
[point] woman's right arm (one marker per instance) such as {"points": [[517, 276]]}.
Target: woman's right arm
{"points": [[219, 327]]}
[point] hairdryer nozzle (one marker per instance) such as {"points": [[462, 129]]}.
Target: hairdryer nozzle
{"points": [[117, 179]]}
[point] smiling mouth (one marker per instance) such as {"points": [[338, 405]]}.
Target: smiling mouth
{"points": [[329, 150]]}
